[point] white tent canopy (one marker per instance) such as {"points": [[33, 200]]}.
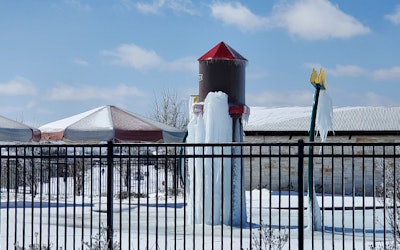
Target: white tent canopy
{"points": [[11, 131], [108, 123]]}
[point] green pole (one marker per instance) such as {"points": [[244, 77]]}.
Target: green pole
{"points": [[311, 148]]}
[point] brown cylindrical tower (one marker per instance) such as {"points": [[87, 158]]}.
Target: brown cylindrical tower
{"points": [[223, 69]]}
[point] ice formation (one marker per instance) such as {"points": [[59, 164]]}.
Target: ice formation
{"points": [[210, 186], [323, 122]]}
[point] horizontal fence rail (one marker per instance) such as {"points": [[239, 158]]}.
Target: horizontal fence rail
{"points": [[199, 196]]}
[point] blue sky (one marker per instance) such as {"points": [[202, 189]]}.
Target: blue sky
{"points": [[62, 57]]}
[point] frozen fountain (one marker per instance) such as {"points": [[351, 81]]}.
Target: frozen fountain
{"points": [[217, 184]]}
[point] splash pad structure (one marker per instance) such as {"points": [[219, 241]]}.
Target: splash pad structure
{"points": [[217, 185]]}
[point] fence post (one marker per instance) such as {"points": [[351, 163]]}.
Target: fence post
{"points": [[110, 194], [301, 193]]}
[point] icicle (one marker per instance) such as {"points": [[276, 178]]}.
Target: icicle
{"points": [[323, 123]]}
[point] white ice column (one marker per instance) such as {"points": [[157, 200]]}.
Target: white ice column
{"points": [[238, 181], [195, 178], [216, 182], [218, 129]]}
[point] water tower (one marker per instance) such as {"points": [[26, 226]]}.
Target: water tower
{"points": [[223, 69]]}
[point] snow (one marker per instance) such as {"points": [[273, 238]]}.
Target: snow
{"points": [[139, 215], [368, 118], [60, 125], [278, 119]]}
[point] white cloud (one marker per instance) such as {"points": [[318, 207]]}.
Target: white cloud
{"points": [[374, 99], [78, 4], [157, 5], [339, 70], [316, 20], [395, 17], [17, 86], [186, 63], [257, 75], [134, 56], [81, 62], [149, 8], [63, 92], [142, 59], [371, 99], [392, 73], [312, 65], [306, 19], [387, 74], [238, 15], [347, 70]]}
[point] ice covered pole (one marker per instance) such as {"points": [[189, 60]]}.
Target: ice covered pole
{"points": [[314, 213]]}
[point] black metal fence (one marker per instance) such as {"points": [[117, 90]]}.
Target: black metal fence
{"points": [[199, 196]]}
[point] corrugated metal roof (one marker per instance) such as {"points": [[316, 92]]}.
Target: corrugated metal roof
{"points": [[344, 119]]}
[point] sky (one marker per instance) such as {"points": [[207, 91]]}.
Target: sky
{"points": [[62, 57]]}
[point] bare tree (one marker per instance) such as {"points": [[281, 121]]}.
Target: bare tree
{"points": [[173, 112], [170, 110]]}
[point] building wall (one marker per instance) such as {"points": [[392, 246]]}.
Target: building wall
{"points": [[360, 172]]}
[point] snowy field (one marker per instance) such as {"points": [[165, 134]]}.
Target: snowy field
{"points": [[158, 223]]}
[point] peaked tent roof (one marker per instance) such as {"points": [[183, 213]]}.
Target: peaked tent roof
{"points": [[12, 131], [222, 51], [345, 119], [110, 123]]}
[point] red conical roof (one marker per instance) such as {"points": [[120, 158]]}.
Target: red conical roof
{"points": [[222, 51]]}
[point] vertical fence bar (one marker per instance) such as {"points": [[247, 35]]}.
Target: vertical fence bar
{"points": [[157, 195], [8, 200], [363, 195], [289, 193], [166, 165], [301, 194], [16, 191], [353, 197], [65, 199], [74, 190], [395, 197], [251, 192], [333, 203], [194, 198], [343, 200], [83, 193], [147, 202], [110, 194], [33, 176], [175, 185], [279, 190], [121, 161], [1, 187], [323, 197], [261, 188], [185, 197], [385, 189], [47, 162]]}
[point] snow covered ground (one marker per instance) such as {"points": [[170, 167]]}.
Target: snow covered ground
{"points": [[152, 222]]}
